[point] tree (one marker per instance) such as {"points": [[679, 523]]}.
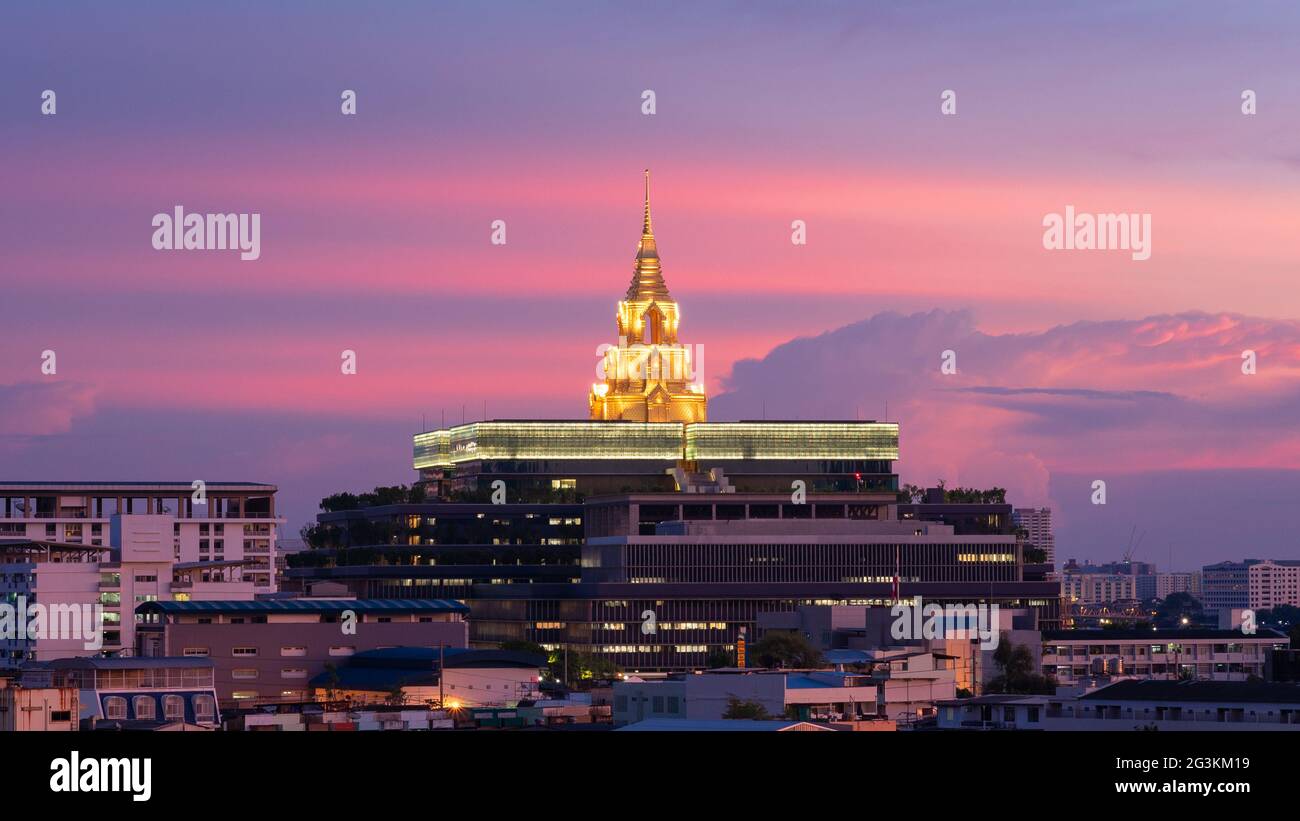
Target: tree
{"points": [[1175, 608], [396, 696], [331, 681], [781, 648], [1019, 672], [1035, 555], [720, 658], [738, 708]]}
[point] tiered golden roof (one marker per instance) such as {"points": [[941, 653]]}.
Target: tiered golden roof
{"points": [[649, 375]]}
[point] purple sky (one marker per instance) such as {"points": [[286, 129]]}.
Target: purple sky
{"points": [[924, 234]]}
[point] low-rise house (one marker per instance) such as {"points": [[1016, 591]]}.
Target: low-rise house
{"points": [[1132, 704], [139, 693], [455, 677]]}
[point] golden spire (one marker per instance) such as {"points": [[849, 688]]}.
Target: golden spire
{"points": [[647, 279], [645, 228]]}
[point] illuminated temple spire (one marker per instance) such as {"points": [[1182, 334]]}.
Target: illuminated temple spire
{"points": [[649, 376], [647, 276]]}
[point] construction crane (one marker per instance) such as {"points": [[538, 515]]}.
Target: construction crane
{"points": [[1132, 546]]}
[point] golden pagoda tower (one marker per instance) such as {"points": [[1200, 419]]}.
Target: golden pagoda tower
{"points": [[649, 375]]}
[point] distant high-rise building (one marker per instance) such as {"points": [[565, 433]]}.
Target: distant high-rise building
{"points": [[1167, 584], [1226, 585], [1037, 523], [1273, 583]]}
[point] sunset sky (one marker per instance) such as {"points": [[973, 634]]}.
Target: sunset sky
{"points": [[924, 234]]}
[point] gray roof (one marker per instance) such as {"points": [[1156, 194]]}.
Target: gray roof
{"points": [[126, 662], [319, 606]]}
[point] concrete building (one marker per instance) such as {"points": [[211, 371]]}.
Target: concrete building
{"points": [[1226, 586], [857, 634], [453, 677], [37, 705], [1213, 655], [896, 687], [104, 582], [1273, 583], [1098, 588], [1037, 524], [1135, 705], [1167, 584], [267, 651], [139, 693], [236, 521]]}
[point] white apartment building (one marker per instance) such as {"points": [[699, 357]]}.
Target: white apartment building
{"points": [[1071, 656], [73, 553], [1037, 523], [234, 522], [1273, 583], [1098, 588], [1168, 584]]}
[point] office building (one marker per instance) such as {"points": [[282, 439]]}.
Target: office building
{"points": [[267, 651], [1273, 583], [1037, 524]]}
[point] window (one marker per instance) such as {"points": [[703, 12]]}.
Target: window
{"points": [[201, 652], [244, 673], [342, 651], [243, 695], [293, 672], [294, 650], [144, 708], [174, 708], [243, 651], [60, 715], [205, 708], [115, 708]]}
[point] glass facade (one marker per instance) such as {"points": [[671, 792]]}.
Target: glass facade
{"points": [[668, 441], [792, 440]]}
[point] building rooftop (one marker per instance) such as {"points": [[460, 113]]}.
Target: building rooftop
{"points": [[187, 486], [719, 726], [319, 606], [1200, 691], [1102, 636], [124, 662]]}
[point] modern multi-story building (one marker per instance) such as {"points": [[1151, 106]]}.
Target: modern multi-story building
{"points": [[213, 522], [94, 589], [1273, 583], [1099, 588], [1037, 524], [1167, 584], [1226, 586], [689, 528], [1216, 655], [267, 651]]}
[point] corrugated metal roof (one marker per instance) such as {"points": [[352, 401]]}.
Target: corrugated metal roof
{"points": [[270, 606]]}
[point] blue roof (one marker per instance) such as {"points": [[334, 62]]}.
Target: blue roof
{"points": [[721, 725], [267, 606], [822, 679]]}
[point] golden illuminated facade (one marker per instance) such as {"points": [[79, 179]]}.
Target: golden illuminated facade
{"points": [[649, 375]]}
